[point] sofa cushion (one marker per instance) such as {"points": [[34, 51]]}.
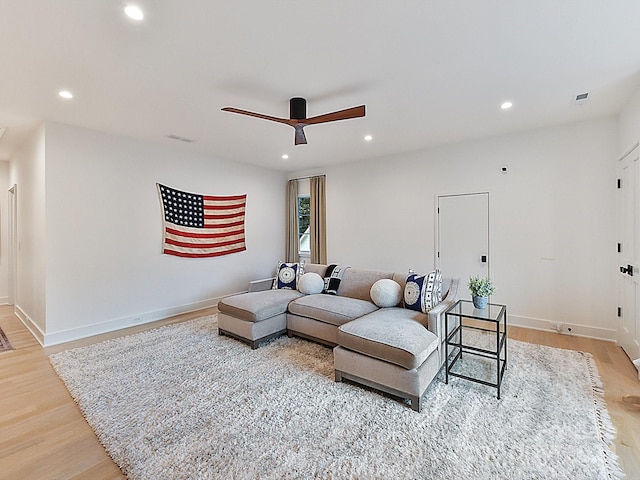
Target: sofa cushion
{"points": [[357, 283], [333, 278], [287, 275], [318, 268], [386, 293], [423, 292], [390, 334], [331, 309], [310, 283], [257, 306]]}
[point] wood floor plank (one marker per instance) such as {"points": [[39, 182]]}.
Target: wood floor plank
{"points": [[43, 434]]}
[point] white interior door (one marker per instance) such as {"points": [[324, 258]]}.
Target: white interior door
{"points": [[463, 236], [12, 244], [628, 252]]}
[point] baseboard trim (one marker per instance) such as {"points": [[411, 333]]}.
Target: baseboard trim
{"points": [[69, 335], [35, 330], [587, 331], [63, 336]]}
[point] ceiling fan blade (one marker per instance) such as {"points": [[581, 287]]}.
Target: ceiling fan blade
{"points": [[346, 114], [258, 115], [301, 139], [298, 112]]}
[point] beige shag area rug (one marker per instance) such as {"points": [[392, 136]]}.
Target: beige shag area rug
{"points": [[180, 402]]}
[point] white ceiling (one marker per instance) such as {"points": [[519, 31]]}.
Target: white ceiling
{"points": [[429, 72]]}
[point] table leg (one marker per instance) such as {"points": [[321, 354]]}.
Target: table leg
{"points": [[505, 338], [446, 349], [460, 334], [498, 379]]}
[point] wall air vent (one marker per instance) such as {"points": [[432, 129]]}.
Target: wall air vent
{"points": [[580, 99], [180, 139]]}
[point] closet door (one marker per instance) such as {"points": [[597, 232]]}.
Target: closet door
{"points": [[628, 253], [463, 236]]}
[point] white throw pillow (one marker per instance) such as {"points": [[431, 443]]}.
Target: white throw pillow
{"points": [[310, 283], [386, 293]]}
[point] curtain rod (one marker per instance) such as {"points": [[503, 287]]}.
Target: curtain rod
{"points": [[304, 178]]}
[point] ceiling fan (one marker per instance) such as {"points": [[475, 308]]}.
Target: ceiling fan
{"points": [[298, 117]]}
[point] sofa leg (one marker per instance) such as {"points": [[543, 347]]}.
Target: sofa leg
{"points": [[220, 333], [338, 376], [416, 403]]}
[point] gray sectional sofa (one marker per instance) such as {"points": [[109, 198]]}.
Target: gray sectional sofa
{"points": [[395, 350]]}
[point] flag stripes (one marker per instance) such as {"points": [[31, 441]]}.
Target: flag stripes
{"points": [[198, 226], [198, 253], [202, 242], [226, 232]]}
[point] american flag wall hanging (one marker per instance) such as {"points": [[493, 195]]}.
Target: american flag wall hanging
{"points": [[198, 226]]}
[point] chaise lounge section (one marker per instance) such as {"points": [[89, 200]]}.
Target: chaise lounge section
{"points": [[389, 350], [261, 314]]}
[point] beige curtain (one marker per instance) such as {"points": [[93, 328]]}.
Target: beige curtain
{"points": [[318, 220], [292, 222]]}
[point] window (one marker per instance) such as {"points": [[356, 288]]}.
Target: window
{"points": [[304, 212]]}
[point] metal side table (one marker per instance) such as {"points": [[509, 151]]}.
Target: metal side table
{"points": [[464, 316]]}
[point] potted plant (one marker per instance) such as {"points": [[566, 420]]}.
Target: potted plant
{"points": [[481, 289]]}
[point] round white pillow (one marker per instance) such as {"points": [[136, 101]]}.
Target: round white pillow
{"points": [[386, 293], [310, 283]]}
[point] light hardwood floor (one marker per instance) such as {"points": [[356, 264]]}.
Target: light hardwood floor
{"points": [[43, 435]]}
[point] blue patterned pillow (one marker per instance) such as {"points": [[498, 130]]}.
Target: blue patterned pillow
{"points": [[423, 292], [287, 275]]}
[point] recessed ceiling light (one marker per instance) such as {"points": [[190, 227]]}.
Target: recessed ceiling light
{"points": [[506, 105], [285, 156], [66, 94], [134, 12], [368, 138]]}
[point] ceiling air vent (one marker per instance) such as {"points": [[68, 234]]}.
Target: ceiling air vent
{"points": [[180, 139], [580, 99]]}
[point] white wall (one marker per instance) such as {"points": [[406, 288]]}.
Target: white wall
{"points": [[27, 171], [552, 218], [629, 123], [104, 265]]}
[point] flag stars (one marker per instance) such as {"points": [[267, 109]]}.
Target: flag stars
{"points": [[183, 208]]}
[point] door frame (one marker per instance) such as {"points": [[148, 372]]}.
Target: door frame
{"points": [[436, 215]]}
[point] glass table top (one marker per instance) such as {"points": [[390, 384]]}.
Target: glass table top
{"points": [[465, 308]]}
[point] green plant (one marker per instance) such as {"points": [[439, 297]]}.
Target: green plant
{"points": [[481, 287]]}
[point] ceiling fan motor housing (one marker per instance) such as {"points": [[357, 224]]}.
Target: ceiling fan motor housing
{"points": [[297, 108]]}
